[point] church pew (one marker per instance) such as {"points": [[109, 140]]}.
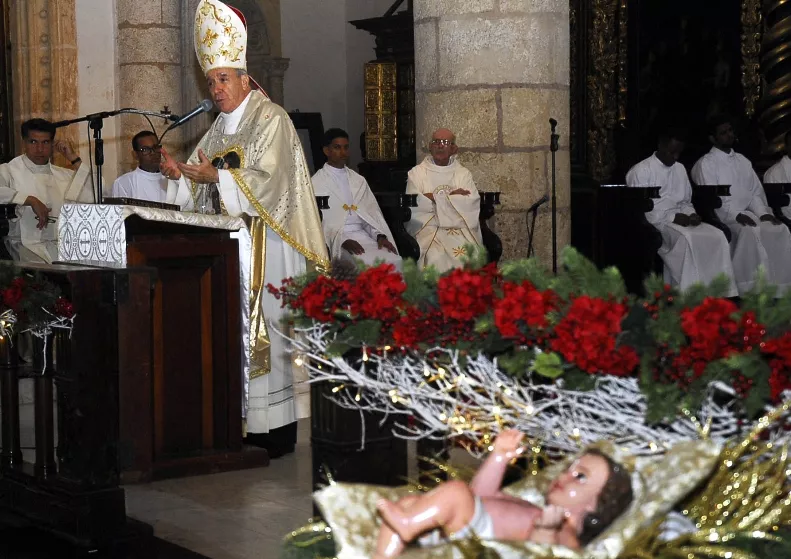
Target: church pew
{"points": [[624, 237], [7, 211], [778, 195], [706, 199]]}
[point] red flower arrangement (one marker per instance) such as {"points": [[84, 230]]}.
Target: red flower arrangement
{"points": [[676, 343], [34, 301]]}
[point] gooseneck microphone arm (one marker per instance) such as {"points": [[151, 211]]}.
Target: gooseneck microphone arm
{"points": [[553, 147]]}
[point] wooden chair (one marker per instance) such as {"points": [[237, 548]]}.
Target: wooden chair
{"points": [[706, 199], [494, 247], [778, 195]]}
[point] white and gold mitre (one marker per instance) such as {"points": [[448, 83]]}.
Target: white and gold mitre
{"points": [[220, 36]]}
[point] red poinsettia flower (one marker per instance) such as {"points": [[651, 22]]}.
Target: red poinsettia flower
{"points": [[467, 294], [377, 293]]}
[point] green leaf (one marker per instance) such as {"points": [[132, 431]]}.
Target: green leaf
{"points": [[338, 348], [548, 365], [364, 332]]}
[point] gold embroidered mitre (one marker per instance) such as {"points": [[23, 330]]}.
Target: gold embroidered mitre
{"points": [[220, 36]]}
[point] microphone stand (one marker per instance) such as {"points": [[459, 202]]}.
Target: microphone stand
{"points": [[553, 147], [96, 123], [531, 230]]}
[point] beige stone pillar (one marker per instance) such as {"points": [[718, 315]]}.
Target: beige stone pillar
{"points": [[494, 72], [44, 63], [149, 76]]}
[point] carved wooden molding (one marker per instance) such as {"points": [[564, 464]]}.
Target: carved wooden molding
{"points": [[751, 20]]}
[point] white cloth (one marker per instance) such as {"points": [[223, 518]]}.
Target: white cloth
{"points": [[780, 172], [272, 400], [480, 526], [141, 185], [766, 244], [362, 221], [20, 178], [690, 254], [442, 228]]}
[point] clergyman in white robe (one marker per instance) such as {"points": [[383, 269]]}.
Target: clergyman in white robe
{"points": [[766, 244], [691, 254], [141, 185], [780, 172], [354, 214], [443, 227], [54, 186]]}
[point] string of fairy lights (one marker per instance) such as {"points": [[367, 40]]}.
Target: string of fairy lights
{"points": [[468, 398]]}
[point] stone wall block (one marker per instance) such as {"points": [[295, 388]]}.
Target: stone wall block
{"points": [[154, 45], [511, 227], [426, 73], [171, 12], [140, 12], [520, 49], [472, 115], [532, 6], [436, 8], [520, 177], [526, 114]]}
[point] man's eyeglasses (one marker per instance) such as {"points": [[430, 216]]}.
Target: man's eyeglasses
{"points": [[146, 150], [438, 142]]}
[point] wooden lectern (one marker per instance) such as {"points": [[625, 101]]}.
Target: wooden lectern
{"points": [[182, 391]]}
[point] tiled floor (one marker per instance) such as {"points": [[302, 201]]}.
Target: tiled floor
{"points": [[235, 515]]}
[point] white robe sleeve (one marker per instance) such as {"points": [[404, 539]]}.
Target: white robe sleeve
{"points": [[664, 207], [758, 205], [80, 188], [235, 202], [179, 194], [119, 188], [9, 195], [424, 212], [775, 173], [458, 211]]}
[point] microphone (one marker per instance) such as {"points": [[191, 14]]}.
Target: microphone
{"points": [[544, 199], [204, 107], [553, 123]]}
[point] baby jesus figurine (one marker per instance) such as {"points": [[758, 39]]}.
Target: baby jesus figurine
{"points": [[580, 504]]}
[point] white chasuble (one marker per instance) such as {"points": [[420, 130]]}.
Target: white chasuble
{"points": [[766, 244], [443, 227], [20, 178], [271, 186], [690, 254], [354, 214], [780, 172]]}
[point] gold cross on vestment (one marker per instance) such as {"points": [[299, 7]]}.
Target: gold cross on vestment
{"points": [[347, 207]]}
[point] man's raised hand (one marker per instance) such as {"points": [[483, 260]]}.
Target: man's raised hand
{"points": [[168, 166], [203, 173]]}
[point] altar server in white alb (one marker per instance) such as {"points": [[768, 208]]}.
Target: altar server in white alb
{"points": [[759, 238], [40, 189], [145, 182], [446, 217], [692, 252], [270, 188], [781, 171], [354, 226]]}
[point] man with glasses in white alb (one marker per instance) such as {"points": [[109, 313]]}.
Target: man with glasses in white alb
{"points": [[446, 217], [145, 182]]}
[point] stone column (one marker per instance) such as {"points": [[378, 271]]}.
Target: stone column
{"points": [[149, 74], [494, 72], [44, 63]]}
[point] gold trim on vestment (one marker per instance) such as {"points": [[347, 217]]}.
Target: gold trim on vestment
{"points": [[259, 348], [273, 225]]}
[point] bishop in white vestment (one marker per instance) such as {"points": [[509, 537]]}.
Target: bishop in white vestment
{"points": [[446, 217], [354, 226], [40, 189], [146, 182], [692, 252], [781, 171], [759, 238], [271, 190]]}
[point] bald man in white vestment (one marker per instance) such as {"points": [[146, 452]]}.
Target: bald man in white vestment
{"points": [[445, 220], [759, 238], [692, 252]]}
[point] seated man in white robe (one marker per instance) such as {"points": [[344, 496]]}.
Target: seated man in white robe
{"points": [[354, 226], [759, 238], [692, 252], [446, 217], [781, 171], [145, 182], [40, 189]]}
